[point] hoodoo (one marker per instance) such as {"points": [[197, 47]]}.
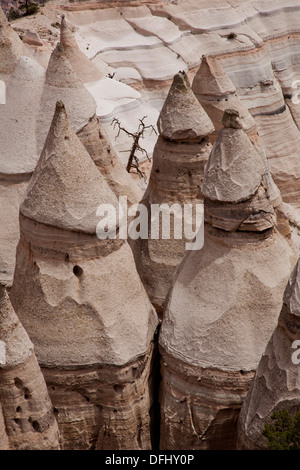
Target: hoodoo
{"points": [[82, 302], [84, 68], [276, 383], [225, 300], [63, 84], [27, 419], [216, 93], [179, 157]]}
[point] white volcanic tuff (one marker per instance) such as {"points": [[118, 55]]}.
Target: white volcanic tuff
{"points": [[63, 84], [113, 97], [106, 29], [18, 153], [277, 378]]}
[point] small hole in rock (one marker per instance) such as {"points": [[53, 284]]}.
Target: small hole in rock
{"points": [[36, 426], [18, 409], [27, 394], [18, 383], [78, 271], [67, 257]]}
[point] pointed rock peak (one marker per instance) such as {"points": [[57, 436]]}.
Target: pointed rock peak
{"points": [[182, 116], [234, 170], [291, 296], [66, 37], [211, 79], [60, 72], [15, 345], [66, 188]]}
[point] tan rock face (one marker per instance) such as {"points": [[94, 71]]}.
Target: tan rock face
{"points": [[179, 157], [11, 47], [233, 285], [81, 332], [62, 83], [84, 68], [27, 419], [216, 93], [96, 142], [276, 382]]}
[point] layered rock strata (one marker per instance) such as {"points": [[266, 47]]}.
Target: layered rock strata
{"points": [[216, 93], [277, 381], [27, 420], [82, 302], [230, 292], [179, 157]]}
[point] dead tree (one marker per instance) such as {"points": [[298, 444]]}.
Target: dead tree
{"points": [[133, 160]]}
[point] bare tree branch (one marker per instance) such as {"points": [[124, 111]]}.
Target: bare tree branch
{"points": [[133, 160]]}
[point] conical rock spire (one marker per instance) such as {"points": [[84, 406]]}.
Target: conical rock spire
{"points": [[182, 117], [62, 83], [216, 93], [82, 66], [56, 195]]}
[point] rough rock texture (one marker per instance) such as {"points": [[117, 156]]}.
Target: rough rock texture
{"points": [[216, 92], [84, 68], [96, 142], [62, 83], [18, 153], [27, 417], [277, 381], [179, 157], [81, 333], [11, 48], [230, 293]]}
